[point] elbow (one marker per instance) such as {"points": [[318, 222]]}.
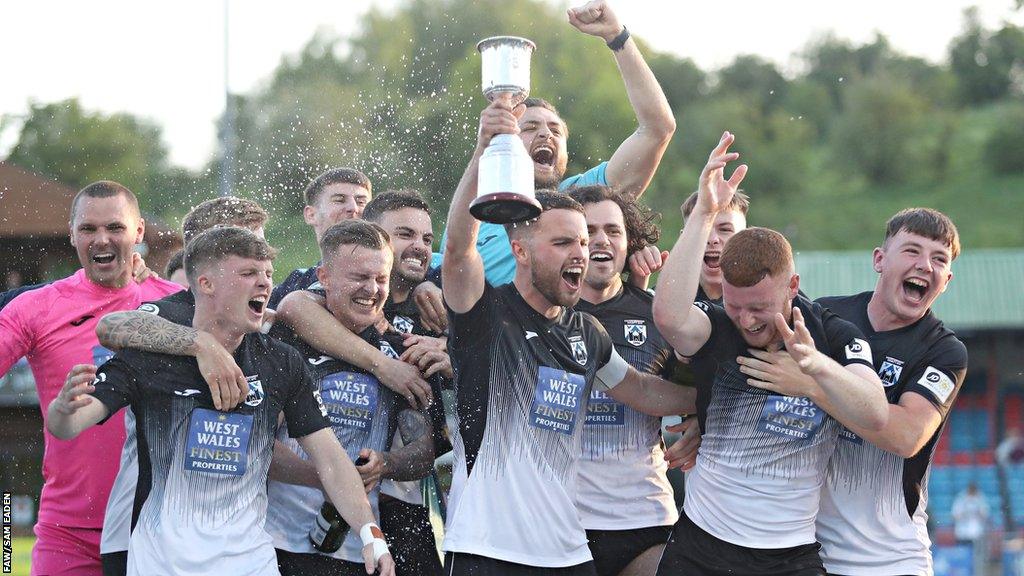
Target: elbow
{"points": [[104, 329], [879, 418], [666, 128]]}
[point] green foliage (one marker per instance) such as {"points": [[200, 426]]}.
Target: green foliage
{"points": [[835, 145]]}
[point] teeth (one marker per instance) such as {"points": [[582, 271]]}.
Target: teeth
{"points": [[601, 257], [916, 282], [413, 261], [363, 301], [575, 270], [260, 299]]}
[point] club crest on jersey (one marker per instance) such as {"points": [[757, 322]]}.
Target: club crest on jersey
{"points": [[402, 324], [255, 396], [149, 308], [890, 372], [636, 332], [388, 350], [579, 349]]}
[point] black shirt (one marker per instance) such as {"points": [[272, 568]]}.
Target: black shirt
{"points": [[299, 279]]}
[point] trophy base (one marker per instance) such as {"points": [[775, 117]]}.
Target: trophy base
{"points": [[504, 208]]}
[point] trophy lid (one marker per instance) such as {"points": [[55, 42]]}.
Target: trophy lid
{"points": [[507, 40]]}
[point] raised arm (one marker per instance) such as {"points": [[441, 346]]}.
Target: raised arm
{"points": [[685, 328], [304, 312], [151, 333], [633, 165], [73, 410], [462, 271], [344, 488]]}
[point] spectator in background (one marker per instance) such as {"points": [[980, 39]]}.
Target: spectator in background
{"points": [[970, 521], [1010, 451], [175, 271]]}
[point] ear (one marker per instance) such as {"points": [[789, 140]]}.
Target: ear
{"points": [[794, 286], [876, 259], [949, 279], [309, 215], [204, 285], [322, 276], [519, 250], [140, 231]]}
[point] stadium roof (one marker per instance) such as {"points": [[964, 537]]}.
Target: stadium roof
{"points": [[987, 290]]}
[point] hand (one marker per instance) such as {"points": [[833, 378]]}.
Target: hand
{"points": [[406, 381], [776, 372], [372, 470], [597, 19], [433, 361], [498, 118], [427, 341], [73, 394], [646, 261], [385, 565], [682, 453], [430, 302], [222, 374], [800, 345], [714, 192], [269, 317], [140, 272]]}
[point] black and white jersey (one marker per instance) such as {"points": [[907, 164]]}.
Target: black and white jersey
{"points": [[622, 482], [405, 318], [763, 456], [299, 279], [522, 382], [201, 500], [117, 520], [703, 370], [872, 519], [363, 414]]}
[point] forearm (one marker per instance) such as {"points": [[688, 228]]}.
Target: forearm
{"points": [[147, 332], [854, 401], [68, 426], [644, 92], [415, 459], [679, 280], [655, 396], [340, 479], [288, 467], [320, 329], [907, 430]]}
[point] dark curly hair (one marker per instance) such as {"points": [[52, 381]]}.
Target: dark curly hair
{"points": [[641, 222]]}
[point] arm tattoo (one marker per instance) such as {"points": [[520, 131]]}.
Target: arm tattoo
{"points": [[416, 459], [146, 332]]}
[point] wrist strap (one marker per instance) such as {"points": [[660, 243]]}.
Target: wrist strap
{"points": [[619, 41], [371, 535]]}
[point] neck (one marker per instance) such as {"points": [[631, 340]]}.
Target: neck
{"points": [[881, 318], [596, 295], [230, 337], [534, 298], [115, 283], [400, 289], [714, 291]]}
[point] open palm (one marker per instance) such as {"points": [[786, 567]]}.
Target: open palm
{"points": [[715, 192]]}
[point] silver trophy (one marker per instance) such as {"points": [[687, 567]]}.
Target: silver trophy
{"points": [[505, 181]]}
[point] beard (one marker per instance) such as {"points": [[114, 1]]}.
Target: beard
{"points": [[548, 283]]}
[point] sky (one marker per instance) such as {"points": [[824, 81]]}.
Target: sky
{"points": [[165, 61]]}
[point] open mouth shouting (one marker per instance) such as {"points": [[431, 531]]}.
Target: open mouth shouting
{"points": [[258, 305], [543, 154], [712, 259], [572, 276], [104, 258], [915, 289]]}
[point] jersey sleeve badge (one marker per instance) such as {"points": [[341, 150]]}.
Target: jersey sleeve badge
{"points": [[936, 380], [858, 349]]}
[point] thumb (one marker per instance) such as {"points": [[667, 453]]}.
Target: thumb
{"points": [[664, 255], [519, 110]]}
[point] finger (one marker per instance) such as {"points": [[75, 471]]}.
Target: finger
{"points": [[760, 355], [243, 386], [783, 328], [368, 558], [762, 385], [800, 327], [723, 144], [753, 363], [737, 176], [725, 158], [215, 392], [759, 374], [435, 368], [519, 110], [79, 402]]}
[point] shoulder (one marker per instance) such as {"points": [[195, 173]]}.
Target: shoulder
{"points": [[595, 175], [155, 287]]}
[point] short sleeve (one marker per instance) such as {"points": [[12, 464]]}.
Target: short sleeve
{"points": [[596, 175], [939, 378], [473, 327], [304, 410], [116, 385], [718, 318], [17, 334], [847, 344]]}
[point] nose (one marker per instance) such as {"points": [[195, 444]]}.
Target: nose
{"points": [[924, 263], [599, 238], [714, 239]]}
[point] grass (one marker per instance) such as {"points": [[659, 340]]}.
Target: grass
{"points": [[22, 555]]}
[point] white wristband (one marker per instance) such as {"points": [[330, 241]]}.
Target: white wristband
{"points": [[371, 534]]}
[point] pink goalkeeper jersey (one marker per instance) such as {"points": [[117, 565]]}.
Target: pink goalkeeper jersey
{"points": [[55, 328]]}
